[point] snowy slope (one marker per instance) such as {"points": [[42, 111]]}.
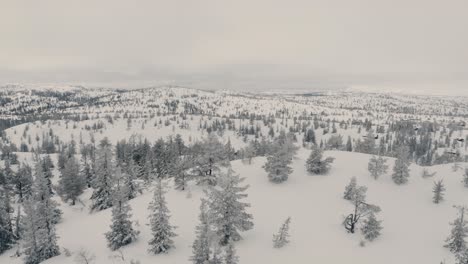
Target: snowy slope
{"points": [[414, 228]]}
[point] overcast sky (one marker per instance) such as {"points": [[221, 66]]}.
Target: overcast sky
{"points": [[251, 44]]}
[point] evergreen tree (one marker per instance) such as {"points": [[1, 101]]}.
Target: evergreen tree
{"points": [[230, 256], [23, 182], [350, 189], [7, 237], [281, 239], [227, 211], [315, 164], [181, 175], [456, 240], [104, 180], [349, 144], [401, 168], [371, 227], [210, 159], [122, 232], [71, 183], [161, 230], [201, 246], [465, 178], [278, 165], [377, 166], [46, 207], [438, 190], [31, 233]]}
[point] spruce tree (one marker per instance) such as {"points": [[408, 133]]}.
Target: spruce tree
{"points": [[161, 230], [315, 164], [377, 166], [456, 240], [401, 168], [7, 237], [438, 190], [122, 232], [350, 189], [71, 183], [465, 178], [278, 165], [23, 182], [227, 211], [31, 233], [371, 227], [104, 179], [201, 246], [281, 239]]}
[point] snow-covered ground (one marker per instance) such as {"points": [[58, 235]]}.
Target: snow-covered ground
{"points": [[414, 228]]}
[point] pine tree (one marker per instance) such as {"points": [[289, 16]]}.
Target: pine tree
{"points": [[371, 227], [230, 256], [31, 233], [201, 246], [227, 211], [278, 165], [47, 207], [315, 164], [350, 189], [401, 168], [349, 144], [281, 239], [23, 182], [438, 190], [103, 182], [377, 166], [465, 178], [122, 232], [181, 176], [161, 230], [456, 240], [71, 183], [7, 237]]}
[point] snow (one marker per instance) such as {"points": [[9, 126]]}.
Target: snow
{"points": [[414, 228]]}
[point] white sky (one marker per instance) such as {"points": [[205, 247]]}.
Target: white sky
{"points": [[243, 44]]}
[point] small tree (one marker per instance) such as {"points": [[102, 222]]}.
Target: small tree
{"points": [[456, 240], [401, 168], [315, 164], [465, 178], [438, 190], [281, 238], [350, 189], [161, 230], [201, 246], [377, 166], [361, 208], [228, 213], [122, 232], [72, 183], [371, 227], [230, 256], [278, 165]]}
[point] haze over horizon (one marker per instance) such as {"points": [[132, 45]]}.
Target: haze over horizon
{"points": [[417, 46]]}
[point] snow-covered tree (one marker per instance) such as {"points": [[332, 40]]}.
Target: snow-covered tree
{"points": [[315, 164], [161, 230], [361, 208], [7, 237], [211, 157], [71, 183], [367, 145], [282, 237], [227, 211], [23, 182], [31, 234], [456, 240], [201, 246], [230, 257], [465, 178], [181, 174], [122, 232], [278, 165], [371, 227], [439, 191], [401, 168], [47, 207], [350, 189], [104, 178], [377, 166]]}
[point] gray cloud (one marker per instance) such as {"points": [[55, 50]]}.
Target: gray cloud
{"points": [[240, 44]]}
